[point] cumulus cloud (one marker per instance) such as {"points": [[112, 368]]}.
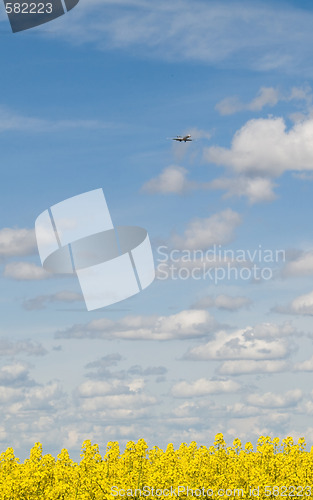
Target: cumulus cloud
{"points": [[131, 404], [23, 393], [17, 242], [301, 265], [183, 325], [93, 388], [302, 305], [49, 397], [28, 347], [226, 302], [203, 387], [264, 147], [242, 367], [171, 181], [9, 394], [242, 410], [272, 331], [263, 342], [203, 233], [273, 400], [255, 189], [304, 366], [25, 271], [14, 374]]}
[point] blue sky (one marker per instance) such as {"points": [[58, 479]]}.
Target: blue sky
{"points": [[92, 100]]}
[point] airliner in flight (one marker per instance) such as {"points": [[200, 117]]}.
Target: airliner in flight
{"points": [[186, 138]]}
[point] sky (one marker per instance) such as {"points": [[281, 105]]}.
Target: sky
{"points": [[221, 341]]}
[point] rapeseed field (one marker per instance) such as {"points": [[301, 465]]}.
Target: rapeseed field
{"points": [[274, 469]]}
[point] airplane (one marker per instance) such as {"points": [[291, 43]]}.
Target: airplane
{"points": [[186, 138]]}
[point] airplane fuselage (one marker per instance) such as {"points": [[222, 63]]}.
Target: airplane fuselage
{"points": [[187, 138]]}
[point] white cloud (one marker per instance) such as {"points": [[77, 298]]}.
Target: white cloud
{"points": [[97, 388], [128, 403], [13, 374], [171, 181], [45, 397], [71, 439], [222, 301], [242, 367], [136, 385], [263, 147], [304, 366], [183, 325], [263, 342], [256, 189], [204, 233], [11, 348], [302, 265], [302, 305], [9, 394], [93, 388], [273, 400], [242, 410], [235, 34], [267, 96], [273, 331], [203, 387], [25, 271], [184, 409], [17, 242]]}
